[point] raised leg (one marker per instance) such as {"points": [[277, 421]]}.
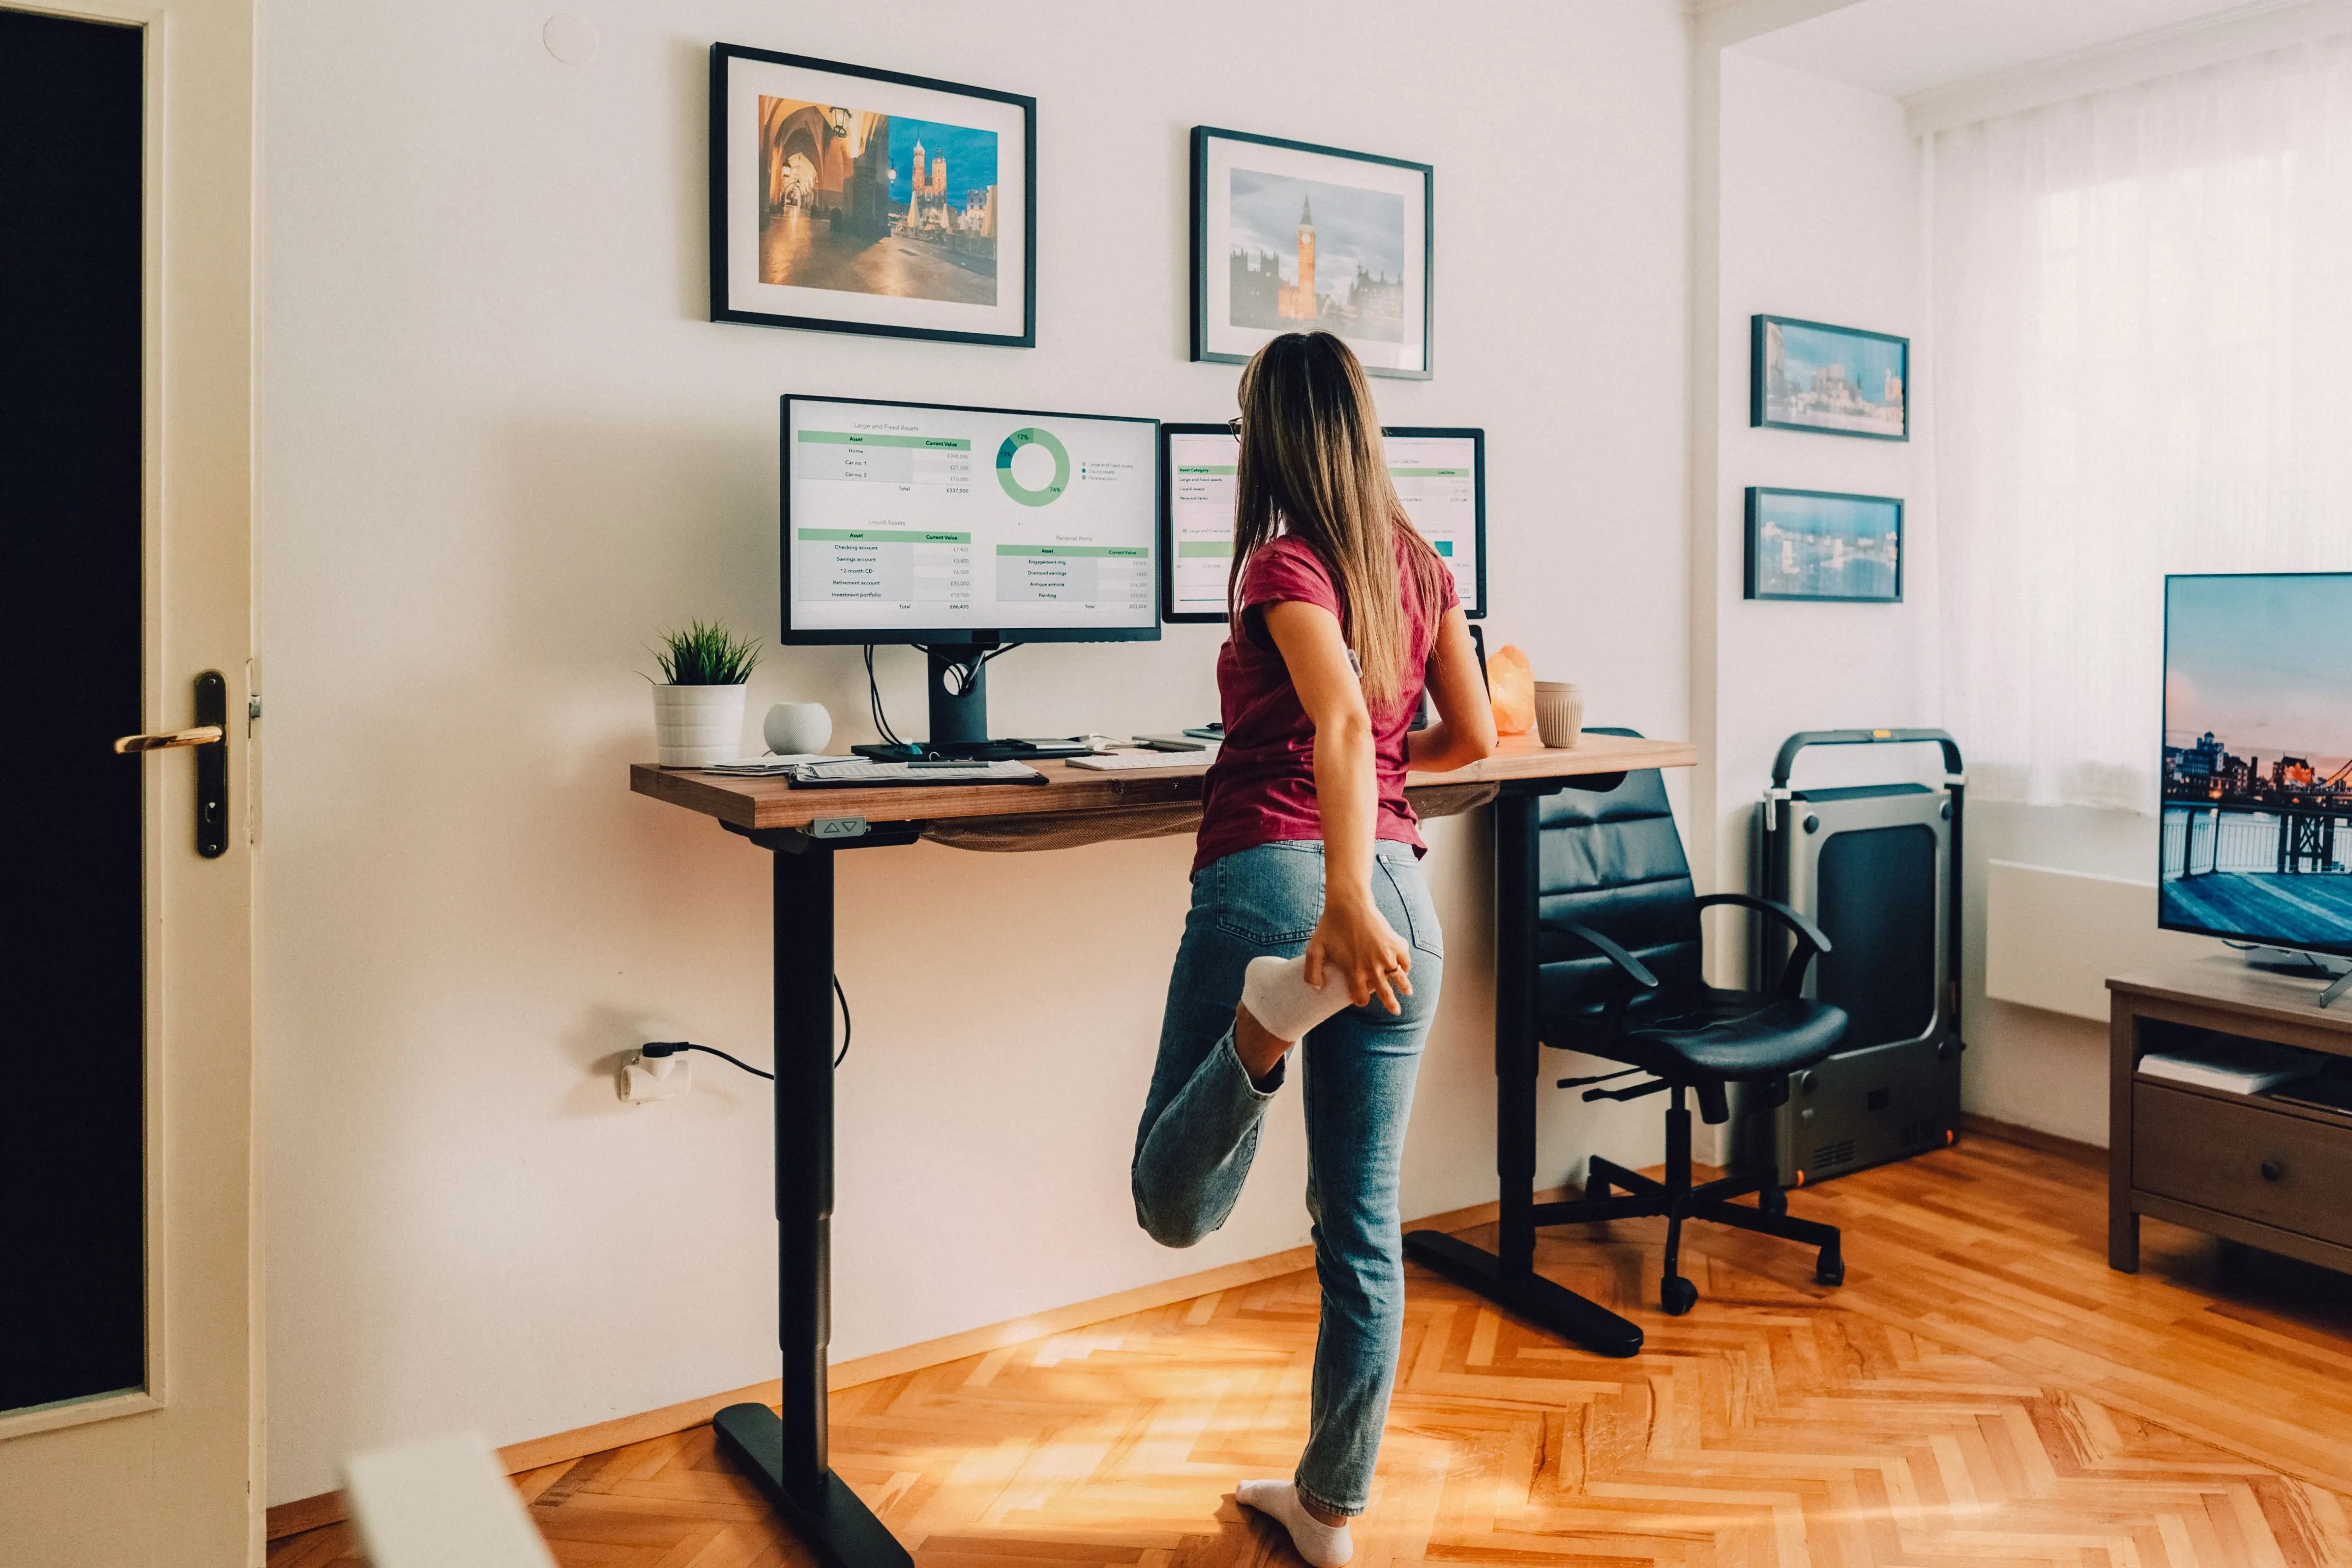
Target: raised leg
{"points": [[786, 1454]]}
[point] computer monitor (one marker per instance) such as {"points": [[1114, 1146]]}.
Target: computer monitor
{"points": [[963, 530], [1440, 474]]}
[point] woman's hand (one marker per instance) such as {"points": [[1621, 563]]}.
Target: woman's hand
{"points": [[1354, 946]]}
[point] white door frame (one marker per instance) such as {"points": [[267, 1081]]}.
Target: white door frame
{"points": [[184, 1453]]}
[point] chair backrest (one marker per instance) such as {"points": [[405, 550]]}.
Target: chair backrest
{"points": [[1614, 862]]}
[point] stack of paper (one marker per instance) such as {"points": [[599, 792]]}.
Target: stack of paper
{"points": [[2232, 1065], [768, 766]]}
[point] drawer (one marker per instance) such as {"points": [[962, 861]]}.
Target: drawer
{"points": [[2214, 1154]]}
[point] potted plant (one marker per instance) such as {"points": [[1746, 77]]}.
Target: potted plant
{"points": [[699, 701]]}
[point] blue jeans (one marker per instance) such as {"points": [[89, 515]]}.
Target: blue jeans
{"points": [[1200, 1124]]}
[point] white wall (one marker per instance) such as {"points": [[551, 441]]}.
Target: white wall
{"points": [[1824, 207], [500, 447], [1821, 218]]}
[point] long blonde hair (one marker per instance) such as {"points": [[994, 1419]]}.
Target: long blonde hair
{"points": [[1311, 463]]}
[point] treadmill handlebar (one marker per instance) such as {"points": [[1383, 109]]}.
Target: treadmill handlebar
{"points": [[1797, 742]]}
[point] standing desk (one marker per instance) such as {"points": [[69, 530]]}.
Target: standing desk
{"points": [[803, 829]]}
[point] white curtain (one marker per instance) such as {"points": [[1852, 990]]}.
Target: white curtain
{"points": [[2143, 355]]}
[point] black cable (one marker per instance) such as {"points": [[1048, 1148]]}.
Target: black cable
{"points": [[964, 673], [656, 1049], [847, 1026], [659, 1048], [874, 703]]}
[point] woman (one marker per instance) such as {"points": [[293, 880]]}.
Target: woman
{"points": [[1310, 920]]}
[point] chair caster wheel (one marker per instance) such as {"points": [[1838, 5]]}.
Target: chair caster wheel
{"points": [[1678, 1295], [1829, 1271], [1772, 1200]]}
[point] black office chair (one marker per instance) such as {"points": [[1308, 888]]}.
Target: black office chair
{"points": [[1618, 950]]}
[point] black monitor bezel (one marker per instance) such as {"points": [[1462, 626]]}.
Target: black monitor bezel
{"points": [[2164, 670], [948, 637], [1476, 611]]}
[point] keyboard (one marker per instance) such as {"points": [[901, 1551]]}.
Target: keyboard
{"points": [[1127, 762], [857, 773]]}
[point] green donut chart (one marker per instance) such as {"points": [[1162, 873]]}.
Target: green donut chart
{"points": [[1052, 490]]}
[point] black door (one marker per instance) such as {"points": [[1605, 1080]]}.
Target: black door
{"points": [[71, 1217]]}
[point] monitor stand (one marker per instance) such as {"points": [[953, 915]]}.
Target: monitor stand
{"points": [[959, 720], [2266, 956]]}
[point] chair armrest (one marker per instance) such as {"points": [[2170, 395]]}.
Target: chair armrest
{"points": [[1809, 933], [1811, 940], [1632, 967]]}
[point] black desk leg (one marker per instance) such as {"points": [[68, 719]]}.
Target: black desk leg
{"points": [[1508, 1277], [787, 1455]]}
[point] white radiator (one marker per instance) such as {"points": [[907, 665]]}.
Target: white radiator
{"points": [[2053, 937]]}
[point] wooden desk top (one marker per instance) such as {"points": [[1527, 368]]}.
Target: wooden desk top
{"points": [[773, 803]]}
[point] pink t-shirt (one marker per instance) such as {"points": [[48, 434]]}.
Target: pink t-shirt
{"points": [[1261, 789]]}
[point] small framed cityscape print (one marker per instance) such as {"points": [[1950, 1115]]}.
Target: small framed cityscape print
{"points": [[1818, 544], [1833, 381], [1292, 237], [850, 200]]}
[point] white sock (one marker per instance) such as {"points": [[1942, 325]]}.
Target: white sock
{"points": [[1276, 992], [1323, 1546]]}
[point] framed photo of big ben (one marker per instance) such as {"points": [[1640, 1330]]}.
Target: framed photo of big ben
{"points": [[1288, 236]]}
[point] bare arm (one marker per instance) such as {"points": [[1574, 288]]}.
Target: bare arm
{"points": [[1465, 730], [1353, 942]]}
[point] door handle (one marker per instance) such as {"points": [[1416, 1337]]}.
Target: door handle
{"points": [[209, 736], [202, 735]]}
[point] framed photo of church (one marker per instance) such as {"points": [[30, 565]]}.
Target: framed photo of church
{"points": [[1289, 238], [852, 200]]}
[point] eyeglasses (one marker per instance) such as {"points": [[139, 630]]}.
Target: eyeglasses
{"points": [[1234, 424]]}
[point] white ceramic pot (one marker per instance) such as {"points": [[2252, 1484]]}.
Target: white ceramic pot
{"points": [[1560, 713], [795, 729], [696, 725]]}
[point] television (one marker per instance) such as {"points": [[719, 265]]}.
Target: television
{"points": [[2256, 781]]}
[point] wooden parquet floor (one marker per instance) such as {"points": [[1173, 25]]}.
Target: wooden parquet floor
{"points": [[1982, 1391]]}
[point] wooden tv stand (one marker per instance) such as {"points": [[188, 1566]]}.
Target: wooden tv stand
{"points": [[2252, 1169]]}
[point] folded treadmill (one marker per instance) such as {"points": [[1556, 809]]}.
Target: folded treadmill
{"points": [[1877, 868]]}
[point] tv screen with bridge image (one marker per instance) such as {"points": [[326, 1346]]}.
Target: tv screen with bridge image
{"points": [[2257, 765]]}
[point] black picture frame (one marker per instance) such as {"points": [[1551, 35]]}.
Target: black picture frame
{"points": [[1423, 302], [725, 303], [1766, 583], [1760, 393]]}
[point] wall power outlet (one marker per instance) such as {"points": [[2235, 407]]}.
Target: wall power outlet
{"points": [[645, 1079]]}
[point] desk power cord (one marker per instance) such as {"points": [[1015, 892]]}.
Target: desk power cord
{"points": [[961, 677], [874, 703], [656, 1049]]}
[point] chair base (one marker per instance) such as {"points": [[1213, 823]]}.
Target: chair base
{"points": [[1676, 1199]]}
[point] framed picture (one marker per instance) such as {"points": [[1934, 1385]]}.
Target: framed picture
{"points": [[850, 200], [1835, 381], [1292, 237], [1817, 544]]}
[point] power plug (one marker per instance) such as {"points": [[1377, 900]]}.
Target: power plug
{"points": [[646, 1078]]}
